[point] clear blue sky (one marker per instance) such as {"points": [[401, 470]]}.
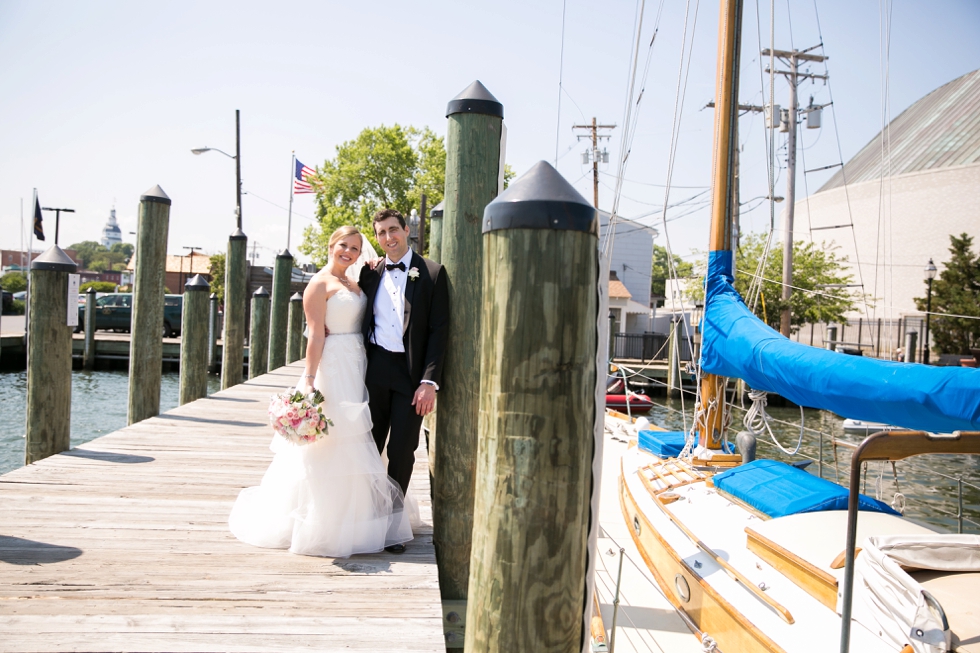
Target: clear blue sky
{"points": [[99, 101]]}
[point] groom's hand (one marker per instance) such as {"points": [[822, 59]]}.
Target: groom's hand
{"points": [[424, 399]]}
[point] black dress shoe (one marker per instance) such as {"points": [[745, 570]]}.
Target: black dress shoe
{"points": [[395, 548]]}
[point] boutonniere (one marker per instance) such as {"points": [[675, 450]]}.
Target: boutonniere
{"points": [[413, 273]]}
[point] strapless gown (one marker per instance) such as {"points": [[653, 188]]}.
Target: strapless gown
{"points": [[333, 497]]}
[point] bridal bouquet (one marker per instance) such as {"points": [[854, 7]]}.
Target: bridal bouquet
{"points": [[298, 417]]}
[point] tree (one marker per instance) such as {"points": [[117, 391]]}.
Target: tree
{"points": [[818, 283], [100, 286], [14, 281], [660, 271], [384, 167], [957, 292], [123, 248], [217, 273], [86, 251]]}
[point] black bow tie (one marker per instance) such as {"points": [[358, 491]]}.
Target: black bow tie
{"points": [[395, 266]]}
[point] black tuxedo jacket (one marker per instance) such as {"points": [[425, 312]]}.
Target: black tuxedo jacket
{"points": [[426, 321]]}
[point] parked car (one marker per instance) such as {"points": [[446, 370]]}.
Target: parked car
{"points": [[7, 303], [114, 311], [20, 296]]}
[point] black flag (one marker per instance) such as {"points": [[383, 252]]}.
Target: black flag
{"points": [[38, 227]]}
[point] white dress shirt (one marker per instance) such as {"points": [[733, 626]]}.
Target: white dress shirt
{"points": [[389, 306]]}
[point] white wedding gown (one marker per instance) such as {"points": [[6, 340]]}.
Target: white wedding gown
{"points": [[333, 497]]}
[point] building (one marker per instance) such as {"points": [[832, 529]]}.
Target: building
{"points": [[629, 270], [111, 234], [913, 185], [15, 259], [179, 269]]}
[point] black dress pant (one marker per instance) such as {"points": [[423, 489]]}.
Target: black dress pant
{"points": [[390, 390]]}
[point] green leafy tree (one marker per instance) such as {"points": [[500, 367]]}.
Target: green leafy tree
{"points": [[509, 175], [383, 167], [14, 281], [87, 251], [217, 273], [956, 291], [819, 278], [123, 248], [660, 271]]}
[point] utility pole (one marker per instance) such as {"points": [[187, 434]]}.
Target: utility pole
{"points": [[792, 59], [595, 154]]}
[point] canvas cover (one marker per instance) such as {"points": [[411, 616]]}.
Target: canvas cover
{"points": [[889, 601], [737, 344]]}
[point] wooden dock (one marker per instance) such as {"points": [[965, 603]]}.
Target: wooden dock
{"points": [[122, 544]]}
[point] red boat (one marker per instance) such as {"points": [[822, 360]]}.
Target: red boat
{"points": [[638, 404]]}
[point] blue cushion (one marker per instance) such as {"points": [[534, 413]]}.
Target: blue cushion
{"points": [[666, 444], [778, 489]]}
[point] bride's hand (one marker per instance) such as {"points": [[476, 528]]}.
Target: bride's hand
{"points": [[305, 385]]}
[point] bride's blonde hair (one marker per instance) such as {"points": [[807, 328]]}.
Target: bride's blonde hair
{"points": [[340, 234]]}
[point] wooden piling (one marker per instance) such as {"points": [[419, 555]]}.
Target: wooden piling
{"points": [[194, 341], [472, 163], [146, 343], [294, 343], [279, 312], [435, 233], [258, 335], [536, 419], [49, 357], [213, 334], [88, 356], [236, 295], [675, 384]]}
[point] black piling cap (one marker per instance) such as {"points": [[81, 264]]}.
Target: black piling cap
{"points": [[475, 99], [284, 254], [261, 292], [541, 199], [238, 234], [55, 260], [436, 211], [157, 195], [197, 283], [296, 297]]}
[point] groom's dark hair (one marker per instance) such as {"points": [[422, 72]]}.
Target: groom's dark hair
{"points": [[384, 214]]}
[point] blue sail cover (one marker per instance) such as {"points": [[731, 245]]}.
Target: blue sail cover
{"points": [[735, 343]]}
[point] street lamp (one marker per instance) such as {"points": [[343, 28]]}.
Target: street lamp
{"points": [[930, 274], [238, 165]]}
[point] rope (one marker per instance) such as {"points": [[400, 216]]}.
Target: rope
{"points": [[756, 421]]}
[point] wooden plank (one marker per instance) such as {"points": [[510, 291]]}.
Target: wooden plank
{"points": [[123, 544]]}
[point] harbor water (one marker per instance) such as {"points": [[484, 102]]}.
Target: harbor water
{"points": [[98, 406]]}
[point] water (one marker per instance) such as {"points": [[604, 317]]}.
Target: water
{"points": [[98, 406], [927, 482]]}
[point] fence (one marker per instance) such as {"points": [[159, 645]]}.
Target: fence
{"points": [[878, 338], [647, 347]]}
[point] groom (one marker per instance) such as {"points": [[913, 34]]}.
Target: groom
{"points": [[405, 333]]}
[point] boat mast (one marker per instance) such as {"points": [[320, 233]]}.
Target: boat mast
{"points": [[723, 202]]}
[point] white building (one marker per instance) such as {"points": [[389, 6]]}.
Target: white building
{"points": [[905, 196], [111, 233], [630, 261]]}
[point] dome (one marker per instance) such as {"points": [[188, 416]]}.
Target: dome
{"points": [[111, 233]]}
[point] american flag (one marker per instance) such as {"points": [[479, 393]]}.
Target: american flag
{"points": [[301, 183]]}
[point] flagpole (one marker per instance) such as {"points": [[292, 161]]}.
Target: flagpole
{"points": [[27, 297], [289, 224]]}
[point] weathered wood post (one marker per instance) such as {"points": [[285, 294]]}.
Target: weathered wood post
{"points": [[910, 345], [295, 342], [88, 356], [278, 323], [537, 418], [236, 295], [472, 165], [49, 357], [194, 341], [675, 384], [435, 233], [258, 335], [146, 343], [213, 334]]}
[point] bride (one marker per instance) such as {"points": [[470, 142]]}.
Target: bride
{"points": [[332, 497]]}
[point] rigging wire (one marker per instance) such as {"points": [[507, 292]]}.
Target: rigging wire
{"points": [[561, 67]]}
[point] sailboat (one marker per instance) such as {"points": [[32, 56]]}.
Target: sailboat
{"points": [[758, 555]]}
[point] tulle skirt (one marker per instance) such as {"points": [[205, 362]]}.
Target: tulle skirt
{"points": [[333, 497]]}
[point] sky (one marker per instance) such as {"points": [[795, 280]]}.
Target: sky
{"points": [[100, 101]]}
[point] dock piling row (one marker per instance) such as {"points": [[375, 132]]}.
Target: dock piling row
{"points": [[279, 311], [194, 341], [236, 296], [258, 335], [295, 341]]}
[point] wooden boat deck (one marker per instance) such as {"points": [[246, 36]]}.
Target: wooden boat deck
{"points": [[646, 621], [122, 544]]}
